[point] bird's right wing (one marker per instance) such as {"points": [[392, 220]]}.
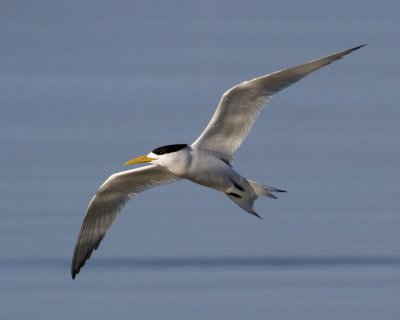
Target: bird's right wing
{"points": [[240, 106], [108, 202]]}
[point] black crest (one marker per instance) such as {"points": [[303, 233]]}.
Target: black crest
{"points": [[169, 149]]}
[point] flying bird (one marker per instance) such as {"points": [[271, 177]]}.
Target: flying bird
{"points": [[207, 161]]}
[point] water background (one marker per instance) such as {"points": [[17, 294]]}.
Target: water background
{"points": [[87, 85]]}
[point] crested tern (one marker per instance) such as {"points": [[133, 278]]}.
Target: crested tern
{"points": [[207, 161]]}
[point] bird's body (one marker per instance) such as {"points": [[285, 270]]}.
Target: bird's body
{"points": [[207, 169], [207, 161], [203, 168]]}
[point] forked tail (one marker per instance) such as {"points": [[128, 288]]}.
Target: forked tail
{"points": [[264, 190], [246, 199]]}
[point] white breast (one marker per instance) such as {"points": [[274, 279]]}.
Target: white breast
{"points": [[210, 171]]}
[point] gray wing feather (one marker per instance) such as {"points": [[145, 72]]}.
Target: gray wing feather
{"points": [[108, 202], [240, 106]]}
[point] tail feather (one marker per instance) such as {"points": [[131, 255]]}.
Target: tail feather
{"points": [[248, 192], [245, 203], [264, 190]]}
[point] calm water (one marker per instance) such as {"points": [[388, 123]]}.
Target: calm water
{"points": [[87, 85]]}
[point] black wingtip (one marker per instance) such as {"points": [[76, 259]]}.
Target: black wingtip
{"points": [[256, 215], [75, 269], [74, 272], [358, 47]]}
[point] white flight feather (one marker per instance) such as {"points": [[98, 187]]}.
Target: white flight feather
{"points": [[108, 202], [240, 106]]}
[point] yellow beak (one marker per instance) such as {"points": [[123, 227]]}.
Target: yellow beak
{"points": [[138, 160]]}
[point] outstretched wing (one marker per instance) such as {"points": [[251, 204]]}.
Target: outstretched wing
{"points": [[108, 202], [240, 106]]}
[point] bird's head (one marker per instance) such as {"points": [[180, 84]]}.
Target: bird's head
{"points": [[163, 156]]}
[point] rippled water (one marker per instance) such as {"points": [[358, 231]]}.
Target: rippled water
{"points": [[86, 85]]}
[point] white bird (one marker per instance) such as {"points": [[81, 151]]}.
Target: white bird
{"points": [[207, 161]]}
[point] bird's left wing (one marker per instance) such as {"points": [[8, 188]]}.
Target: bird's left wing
{"points": [[240, 106], [108, 202]]}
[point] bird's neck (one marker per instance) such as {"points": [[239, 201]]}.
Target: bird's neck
{"points": [[178, 163]]}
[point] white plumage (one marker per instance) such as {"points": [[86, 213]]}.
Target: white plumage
{"points": [[207, 161]]}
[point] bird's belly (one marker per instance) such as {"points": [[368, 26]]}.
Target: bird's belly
{"points": [[212, 175], [214, 182]]}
